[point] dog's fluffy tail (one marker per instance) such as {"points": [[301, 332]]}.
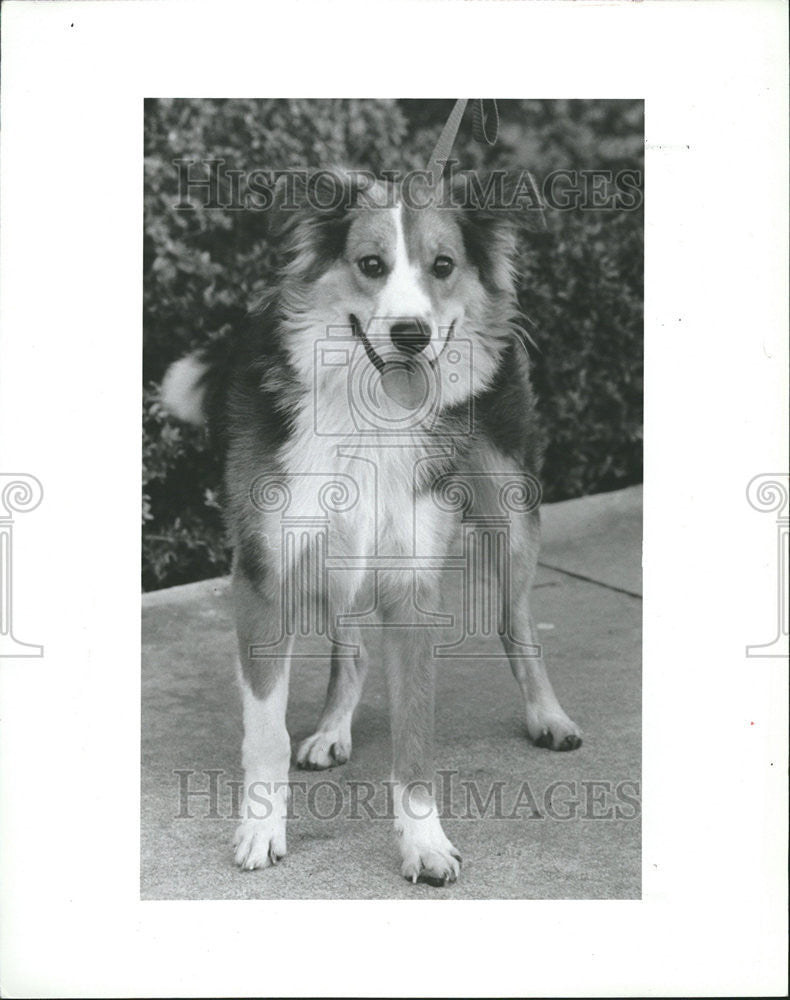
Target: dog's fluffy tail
{"points": [[185, 387]]}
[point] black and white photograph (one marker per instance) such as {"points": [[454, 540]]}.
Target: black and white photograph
{"points": [[394, 498], [372, 382]]}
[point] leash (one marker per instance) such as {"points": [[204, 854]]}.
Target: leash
{"points": [[485, 129]]}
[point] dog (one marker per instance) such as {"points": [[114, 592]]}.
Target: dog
{"points": [[384, 376]]}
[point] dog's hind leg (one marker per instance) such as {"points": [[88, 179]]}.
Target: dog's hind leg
{"points": [[266, 750], [330, 744], [547, 724]]}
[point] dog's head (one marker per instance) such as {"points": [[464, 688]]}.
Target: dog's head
{"points": [[406, 271]]}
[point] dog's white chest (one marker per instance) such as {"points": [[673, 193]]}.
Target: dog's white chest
{"points": [[359, 495], [363, 494], [361, 491]]}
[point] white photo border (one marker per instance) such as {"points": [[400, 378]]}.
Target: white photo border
{"points": [[714, 79]]}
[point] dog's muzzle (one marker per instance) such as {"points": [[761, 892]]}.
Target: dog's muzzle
{"points": [[405, 375], [410, 336]]}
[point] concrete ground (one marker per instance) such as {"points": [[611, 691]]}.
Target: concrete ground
{"points": [[530, 823]]}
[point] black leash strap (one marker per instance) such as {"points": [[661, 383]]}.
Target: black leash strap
{"points": [[485, 122], [485, 128]]}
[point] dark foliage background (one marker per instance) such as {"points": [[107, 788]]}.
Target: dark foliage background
{"points": [[581, 287]]}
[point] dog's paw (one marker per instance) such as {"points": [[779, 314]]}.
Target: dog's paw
{"points": [[553, 730], [326, 748], [427, 853], [259, 843], [434, 866]]}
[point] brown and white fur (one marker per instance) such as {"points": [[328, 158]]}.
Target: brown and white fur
{"points": [[377, 271]]}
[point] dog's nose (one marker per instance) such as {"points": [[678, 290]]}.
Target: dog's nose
{"points": [[410, 335]]}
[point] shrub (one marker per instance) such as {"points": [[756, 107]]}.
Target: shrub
{"points": [[581, 287]]}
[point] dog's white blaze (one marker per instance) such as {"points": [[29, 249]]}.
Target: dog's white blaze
{"points": [[403, 295]]}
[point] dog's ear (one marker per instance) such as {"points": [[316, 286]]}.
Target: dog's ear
{"points": [[310, 216], [325, 196], [502, 197], [494, 210]]}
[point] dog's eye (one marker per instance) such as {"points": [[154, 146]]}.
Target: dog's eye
{"points": [[443, 266], [371, 266]]}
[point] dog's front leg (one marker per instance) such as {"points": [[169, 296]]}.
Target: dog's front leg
{"points": [[427, 853], [331, 743], [266, 750]]}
